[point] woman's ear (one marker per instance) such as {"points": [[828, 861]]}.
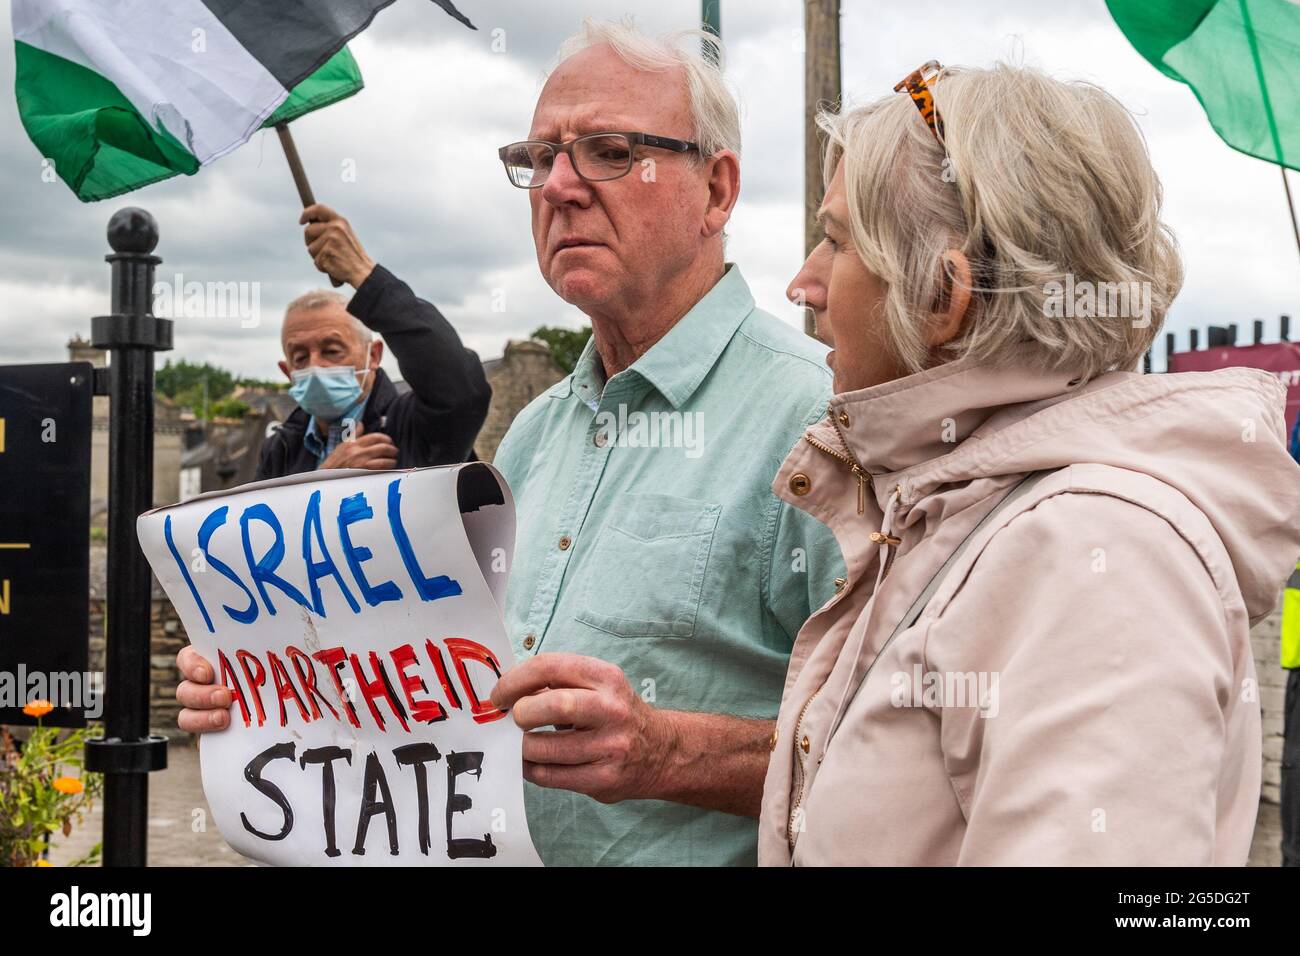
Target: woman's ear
{"points": [[954, 300]]}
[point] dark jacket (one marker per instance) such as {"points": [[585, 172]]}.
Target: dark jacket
{"points": [[436, 422]]}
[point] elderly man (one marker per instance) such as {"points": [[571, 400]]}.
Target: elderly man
{"points": [[349, 413], [658, 584]]}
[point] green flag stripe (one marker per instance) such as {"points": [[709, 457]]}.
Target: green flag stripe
{"points": [[338, 79], [1241, 58], [99, 143], [1263, 82]]}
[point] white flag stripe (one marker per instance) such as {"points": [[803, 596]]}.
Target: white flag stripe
{"points": [[155, 54]]}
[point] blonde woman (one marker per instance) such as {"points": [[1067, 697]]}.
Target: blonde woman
{"points": [[1041, 653]]}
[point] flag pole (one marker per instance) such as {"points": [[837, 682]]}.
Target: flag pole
{"points": [[1290, 205], [298, 172]]}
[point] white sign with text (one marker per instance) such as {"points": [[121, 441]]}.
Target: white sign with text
{"points": [[356, 616]]}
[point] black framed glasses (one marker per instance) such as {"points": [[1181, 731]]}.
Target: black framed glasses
{"points": [[596, 157]]}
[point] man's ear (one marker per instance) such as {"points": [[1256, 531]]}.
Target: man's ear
{"points": [[954, 300], [284, 367], [376, 353], [724, 190]]}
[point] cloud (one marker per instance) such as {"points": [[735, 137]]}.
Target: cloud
{"points": [[411, 161]]}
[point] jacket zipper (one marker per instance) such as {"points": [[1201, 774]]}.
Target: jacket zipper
{"points": [[860, 473], [798, 796]]}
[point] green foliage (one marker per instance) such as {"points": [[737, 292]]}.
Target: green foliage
{"points": [[228, 408], [565, 344], [186, 378], [33, 803], [205, 388]]}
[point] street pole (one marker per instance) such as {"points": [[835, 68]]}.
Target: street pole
{"points": [[711, 22], [821, 88], [126, 754]]}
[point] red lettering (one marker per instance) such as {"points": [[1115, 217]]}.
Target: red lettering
{"points": [[308, 681], [462, 650], [254, 682], [378, 688], [229, 679], [284, 688], [428, 711], [334, 658]]}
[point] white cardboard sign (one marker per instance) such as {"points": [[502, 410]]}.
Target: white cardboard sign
{"points": [[356, 615]]}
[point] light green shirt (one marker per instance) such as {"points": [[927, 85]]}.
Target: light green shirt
{"points": [[649, 536]]}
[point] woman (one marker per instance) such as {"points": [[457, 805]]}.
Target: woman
{"points": [[1076, 686]]}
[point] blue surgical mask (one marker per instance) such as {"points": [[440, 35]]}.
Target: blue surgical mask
{"points": [[326, 391]]}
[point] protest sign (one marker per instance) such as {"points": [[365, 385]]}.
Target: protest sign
{"points": [[356, 616]]}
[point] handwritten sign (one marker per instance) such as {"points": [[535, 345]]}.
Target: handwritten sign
{"points": [[356, 616]]}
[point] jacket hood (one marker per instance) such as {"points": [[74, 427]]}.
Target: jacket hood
{"points": [[1218, 437]]}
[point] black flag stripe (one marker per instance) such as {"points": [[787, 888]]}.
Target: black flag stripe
{"points": [[294, 38]]}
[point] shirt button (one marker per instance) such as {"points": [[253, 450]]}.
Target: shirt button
{"points": [[529, 641], [601, 439], [805, 745], [565, 542], [800, 484], [772, 742]]}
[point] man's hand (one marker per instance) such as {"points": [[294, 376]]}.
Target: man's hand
{"points": [[375, 451], [207, 707], [613, 747], [334, 247]]}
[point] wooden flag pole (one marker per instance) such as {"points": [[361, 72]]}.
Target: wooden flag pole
{"points": [[299, 174], [1290, 205]]}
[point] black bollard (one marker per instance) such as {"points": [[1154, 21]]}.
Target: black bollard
{"points": [[127, 753]]}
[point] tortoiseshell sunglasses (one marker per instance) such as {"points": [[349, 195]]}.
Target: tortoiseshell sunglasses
{"points": [[917, 83]]}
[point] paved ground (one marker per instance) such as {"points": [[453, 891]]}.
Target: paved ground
{"points": [[181, 831]]}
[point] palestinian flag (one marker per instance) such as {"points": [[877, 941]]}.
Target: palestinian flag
{"points": [[1240, 57], [122, 93]]}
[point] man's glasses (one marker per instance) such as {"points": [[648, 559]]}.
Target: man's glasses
{"points": [[596, 157]]}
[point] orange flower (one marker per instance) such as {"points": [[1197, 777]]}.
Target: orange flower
{"points": [[68, 785], [38, 708]]}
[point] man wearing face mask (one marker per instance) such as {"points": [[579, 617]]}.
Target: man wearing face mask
{"points": [[349, 413]]}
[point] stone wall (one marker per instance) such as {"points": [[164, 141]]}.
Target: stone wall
{"points": [[1264, 639], [520, 375], [166, 638]]}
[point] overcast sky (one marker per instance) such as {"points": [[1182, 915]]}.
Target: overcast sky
{"points": [[430, 201]]}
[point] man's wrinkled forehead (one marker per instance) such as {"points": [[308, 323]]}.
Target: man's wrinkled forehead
{"points": [[321, 326], [596, 90]]}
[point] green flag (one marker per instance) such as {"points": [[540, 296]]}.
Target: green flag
{"points": [[1240, 57], [117, 94]]}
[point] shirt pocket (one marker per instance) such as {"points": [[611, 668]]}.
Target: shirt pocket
{"points": [[648, 567]]}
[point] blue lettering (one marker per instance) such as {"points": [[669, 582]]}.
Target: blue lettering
{"points": [[185, 572], [210, 524], [319, 569], [263, 569], [352, 509], [430, 588]]}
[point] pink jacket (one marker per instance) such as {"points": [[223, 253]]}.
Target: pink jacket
{"points": [[1080, 689]]}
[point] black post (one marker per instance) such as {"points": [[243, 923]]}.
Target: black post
{"points": [[1285, 324], [1259, 331], [127, 753], [1194, 338]]}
